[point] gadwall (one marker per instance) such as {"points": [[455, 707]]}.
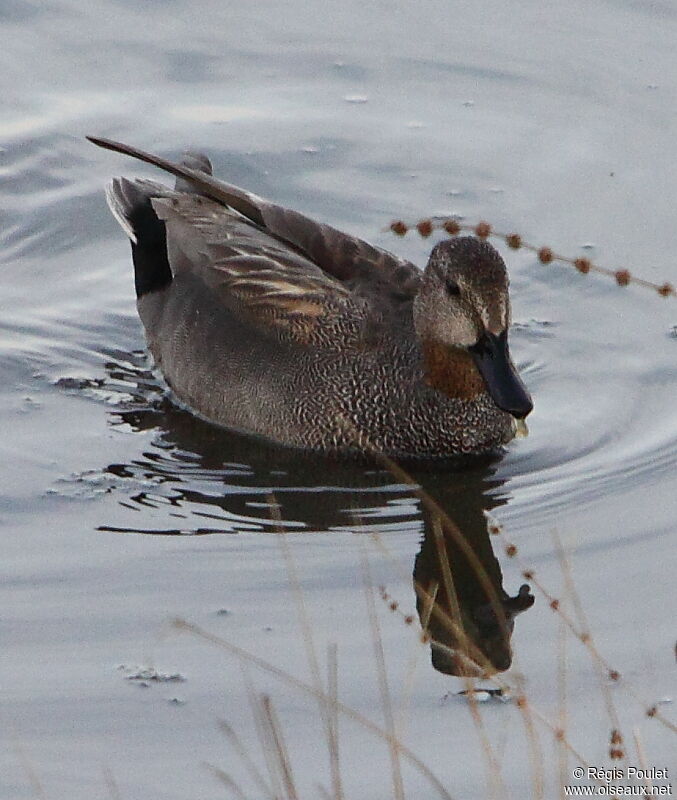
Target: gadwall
{"points": [[268, 322]]}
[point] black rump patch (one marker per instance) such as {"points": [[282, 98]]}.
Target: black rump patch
{"points": [[149, 252]]}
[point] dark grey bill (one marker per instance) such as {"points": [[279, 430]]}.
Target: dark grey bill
{"points": [[505, 386]]}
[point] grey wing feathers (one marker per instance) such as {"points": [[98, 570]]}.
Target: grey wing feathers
{"points": [[251, 272], [267, 259], [339, 254], [344, 256]]}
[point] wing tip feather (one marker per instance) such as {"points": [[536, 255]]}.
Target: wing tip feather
{"points": [[120, 206]]}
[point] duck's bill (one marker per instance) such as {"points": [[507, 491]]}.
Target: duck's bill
{"points": [[492, 357]]}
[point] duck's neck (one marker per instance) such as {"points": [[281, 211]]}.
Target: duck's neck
{"points": [[451, 371]]}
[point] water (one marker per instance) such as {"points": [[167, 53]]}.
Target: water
{"points": [[553, 122]]}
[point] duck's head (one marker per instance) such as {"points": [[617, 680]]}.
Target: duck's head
{"points": [[462, 316]]}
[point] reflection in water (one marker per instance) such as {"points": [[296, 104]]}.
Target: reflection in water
{"points": [[227, 481], [472, 620]]}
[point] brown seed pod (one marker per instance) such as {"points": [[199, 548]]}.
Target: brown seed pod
{"points": [[409, 620], [616, 737], [614, 675], [483, 230], [425, 228], [554, 604], [528, 574], [545, 255], [510, 550], [622, 277]]}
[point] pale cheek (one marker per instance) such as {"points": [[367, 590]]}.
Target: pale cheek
{"points": [[461, 332], [499, 318]]}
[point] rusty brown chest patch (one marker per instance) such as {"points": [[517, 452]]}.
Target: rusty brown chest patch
{"points": [[451, 371]]}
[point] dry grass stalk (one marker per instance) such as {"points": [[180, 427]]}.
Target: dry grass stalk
{"points": [[245, 758], [641, 757], [279, 747], [309, 644], [561, 733], [342, 708], [585, 638], [584, 628], [468, 650], [408, 619], [379, 655], [272, 739], [558, 730], [224, 778], [27, 766], [333, 730], [494, 777], [580, 631], [535, 752], [546, 255], [447, 524], [262, 734], [111, 784]]}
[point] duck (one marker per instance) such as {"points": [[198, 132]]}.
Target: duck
{"points": [[270, 323]]}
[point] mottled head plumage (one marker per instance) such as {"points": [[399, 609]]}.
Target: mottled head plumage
{"points": [[464, 293], [462, 316]]}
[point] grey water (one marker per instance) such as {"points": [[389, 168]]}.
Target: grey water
{"points": [[119, 510]]}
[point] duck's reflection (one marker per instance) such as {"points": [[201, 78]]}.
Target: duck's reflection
{"points": [[461, 602], [226, 480]]}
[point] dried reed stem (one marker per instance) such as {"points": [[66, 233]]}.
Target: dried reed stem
{"points": [[291, 680], [111, 784], [279, 747], [308, 641], [583, 636], [560, 735], [226, 780], [450, 527], [246, 759], [379, 655], [546, 255], [333, 741], [262, 734], [584, 627], [27, 766]]}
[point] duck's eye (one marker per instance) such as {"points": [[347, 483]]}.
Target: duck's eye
{"points": [[453, 288]]}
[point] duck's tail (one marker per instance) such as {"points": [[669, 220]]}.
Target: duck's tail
{"points": [[192, 171], [130, 204]]}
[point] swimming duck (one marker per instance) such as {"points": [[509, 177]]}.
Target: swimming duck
{"points": [[267, 322]]}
